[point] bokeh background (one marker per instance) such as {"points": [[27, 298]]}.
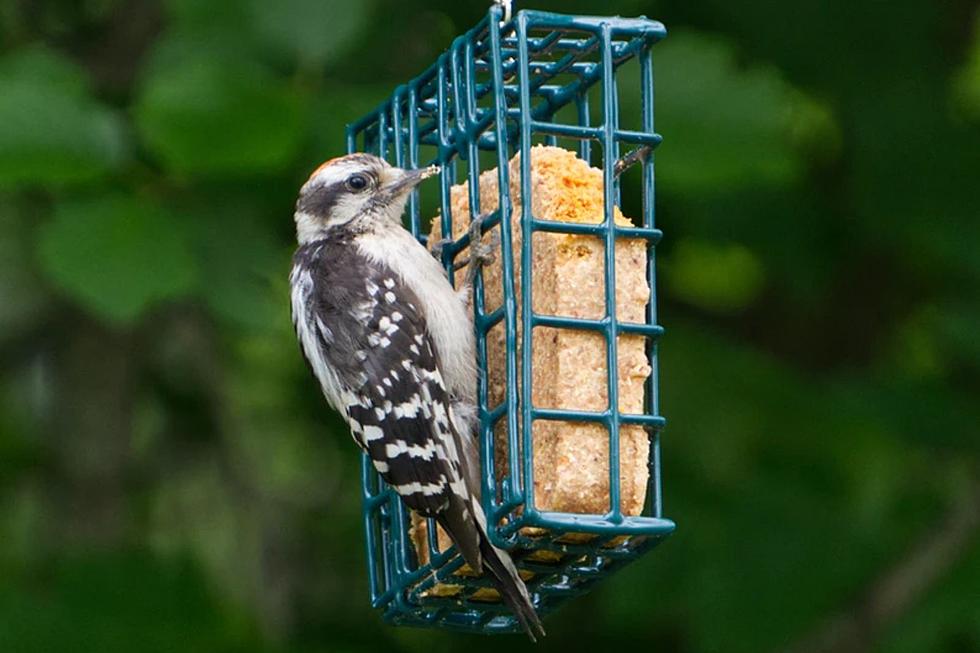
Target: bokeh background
{"points": [[171, 480]]}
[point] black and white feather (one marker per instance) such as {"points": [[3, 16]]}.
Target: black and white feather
{"points": [[364, 335], [391, 344]]}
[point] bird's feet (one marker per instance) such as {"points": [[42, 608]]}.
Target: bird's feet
{"points": [[436, 248], [480, 253]]}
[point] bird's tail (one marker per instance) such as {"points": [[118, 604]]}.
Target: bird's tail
{"points": [[468, 530], [511, 587]]}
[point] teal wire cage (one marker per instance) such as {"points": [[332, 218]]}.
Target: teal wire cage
{"points": [[499, 89]]}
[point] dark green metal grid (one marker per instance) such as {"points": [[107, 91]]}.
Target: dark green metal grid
{"points": [[499, 89]]}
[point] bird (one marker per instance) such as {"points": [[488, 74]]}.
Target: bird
{"points": [[392, 345]]}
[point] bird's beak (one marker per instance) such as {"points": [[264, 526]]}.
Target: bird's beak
{"points": [[409, 179]]}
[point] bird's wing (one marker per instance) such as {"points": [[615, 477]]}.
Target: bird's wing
{"points": [[392, 392], [401, 411], [365, 335], [402, 414]]}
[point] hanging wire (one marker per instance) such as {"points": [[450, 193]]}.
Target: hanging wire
{"points": [[508, 6]]}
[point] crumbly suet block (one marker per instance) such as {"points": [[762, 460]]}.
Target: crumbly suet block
{"points": [[571, 459]]}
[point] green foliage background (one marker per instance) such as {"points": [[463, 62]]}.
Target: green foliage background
{"points": [[171, 480]]}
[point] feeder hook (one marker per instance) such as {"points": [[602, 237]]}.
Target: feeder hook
{"points": [[508, 6]]}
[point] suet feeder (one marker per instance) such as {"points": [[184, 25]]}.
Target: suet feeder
{"points": [[502, 88]]}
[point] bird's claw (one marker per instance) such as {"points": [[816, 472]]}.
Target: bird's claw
{"points": [[485, 253], [437, 247], [480, 253]]}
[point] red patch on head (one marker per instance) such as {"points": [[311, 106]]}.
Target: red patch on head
{"points": [[325, 164]]}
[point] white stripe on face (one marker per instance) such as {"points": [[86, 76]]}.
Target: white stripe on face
{"points": [[325, 201]]}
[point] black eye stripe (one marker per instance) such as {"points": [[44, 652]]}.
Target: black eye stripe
{"points": [[320, 201]]}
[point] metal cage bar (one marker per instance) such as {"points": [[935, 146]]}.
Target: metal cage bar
{"points": [[499, 87]]}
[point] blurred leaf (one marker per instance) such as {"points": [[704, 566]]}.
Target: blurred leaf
{"points": [[966, 81], [177, 50], [958, 331], [40, 63], [717, 277], [334, 107], [725, 125], [811, 128], [21, 517], [239, 258], [218, 118], [312, 31], [10, 20], [922, 411], [119, 603], [117, 256], [292, 457], [23, 296], [51, 131], [218, 30], [788, 230], [934, 340], [196, 510], [915, 350], [210, 17]]}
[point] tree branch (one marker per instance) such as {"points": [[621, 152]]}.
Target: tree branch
{"points": [[900, 586]]}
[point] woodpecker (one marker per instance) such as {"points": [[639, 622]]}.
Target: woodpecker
{"points": [[392, 346]]}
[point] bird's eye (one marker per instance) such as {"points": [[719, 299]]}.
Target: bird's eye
{"points": [[357, 183]]}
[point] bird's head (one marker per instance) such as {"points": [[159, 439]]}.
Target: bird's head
{"points": [[359, 191]]}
